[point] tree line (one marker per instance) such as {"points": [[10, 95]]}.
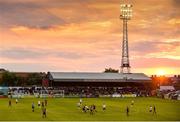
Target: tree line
{"points": [[11, 79]]}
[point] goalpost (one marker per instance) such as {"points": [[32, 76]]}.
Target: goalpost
{"points": [[51, 93], [58, 93]]}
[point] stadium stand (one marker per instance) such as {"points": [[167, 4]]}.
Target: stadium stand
{"points": [[100, 84]]}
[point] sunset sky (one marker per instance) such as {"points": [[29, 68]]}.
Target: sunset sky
{"points": [[86, 35]]}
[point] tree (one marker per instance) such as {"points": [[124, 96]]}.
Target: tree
{"points": [[8, 79], [20, 81], [111, 70], [34, 79]]}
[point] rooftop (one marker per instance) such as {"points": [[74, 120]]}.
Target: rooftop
{"points": [[89, 76]]}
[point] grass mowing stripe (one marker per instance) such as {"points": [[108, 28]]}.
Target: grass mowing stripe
{"points": [[65, 109]]}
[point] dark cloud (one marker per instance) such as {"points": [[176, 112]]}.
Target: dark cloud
{"points": [[22, 53], [30, 67], [68, 55], [153, 23], [176, 3], [26, 14], [34, 13], [146, 47]]}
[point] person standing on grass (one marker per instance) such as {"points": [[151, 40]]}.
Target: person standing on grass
{"points": [[45, 101], [80, 101], [94, 108], [104, 107], [87, 108], [10, 103], [44, 112], [16, 101], [154, 110], [127, 111], [42, 104], [132, 102], [33, 106], [39, 103], [150, 109], [91, 110], [84, 109], [78, 105]]}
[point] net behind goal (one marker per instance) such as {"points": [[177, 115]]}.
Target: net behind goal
{"points": [[50, 93], [58, 93]]}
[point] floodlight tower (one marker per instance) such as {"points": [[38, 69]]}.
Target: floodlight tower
{"points": [[126, 14]]}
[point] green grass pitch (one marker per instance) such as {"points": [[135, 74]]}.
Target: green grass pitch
{"points": [[66, 109]]}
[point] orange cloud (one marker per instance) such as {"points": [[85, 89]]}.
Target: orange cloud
{"points": [[86, 35]]}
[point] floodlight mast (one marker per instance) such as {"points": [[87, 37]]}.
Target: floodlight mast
{"points": [[126, 14]]}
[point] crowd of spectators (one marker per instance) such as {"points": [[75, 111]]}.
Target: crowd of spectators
{"points": [[81, 91]]}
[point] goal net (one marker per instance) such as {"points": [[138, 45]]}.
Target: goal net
{"points": [[49, 93], [57, 93]]}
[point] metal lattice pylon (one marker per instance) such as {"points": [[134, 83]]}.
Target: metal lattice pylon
{"points": [[126, 14]]}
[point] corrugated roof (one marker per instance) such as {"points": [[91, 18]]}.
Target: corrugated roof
{"points": [[97, 76]]}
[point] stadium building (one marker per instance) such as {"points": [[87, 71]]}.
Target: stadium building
{"points": [[100, 84], [98, 79]]}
